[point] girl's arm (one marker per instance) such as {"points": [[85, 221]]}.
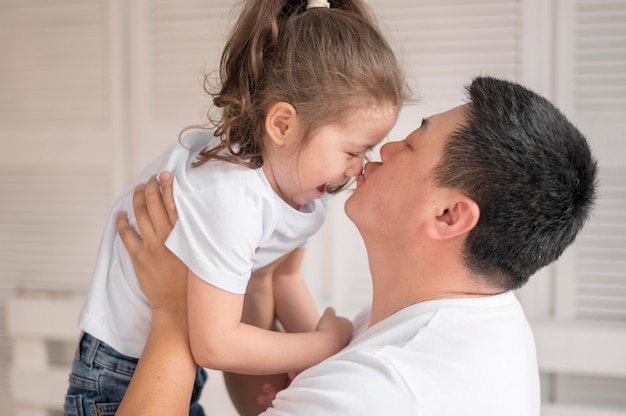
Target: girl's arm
{"points": [[277, 289], [164, 378], [295, 307], [219, 339]]}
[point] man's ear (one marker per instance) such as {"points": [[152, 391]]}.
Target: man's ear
{"points": [[458, 217], [280, 122]]}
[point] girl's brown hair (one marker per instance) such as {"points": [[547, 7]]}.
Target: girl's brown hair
{"points": [[325, 62]]}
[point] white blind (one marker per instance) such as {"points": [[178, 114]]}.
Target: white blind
{"points": [[590, 83], [186, 39], [54, 68], [600, 57], [60, 131], [599, 106], [50, 226], [173, 44], [600, 281], [446, 42]]}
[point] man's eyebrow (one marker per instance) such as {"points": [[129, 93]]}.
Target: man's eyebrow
{"points": [[425, 122]]}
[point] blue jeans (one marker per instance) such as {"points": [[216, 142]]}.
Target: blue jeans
{"points": [[100, 376]]}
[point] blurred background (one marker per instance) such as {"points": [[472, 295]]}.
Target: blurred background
{"points": [[92, 90]]}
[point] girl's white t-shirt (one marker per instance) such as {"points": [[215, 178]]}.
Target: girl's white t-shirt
{"points": [[230, 224]]}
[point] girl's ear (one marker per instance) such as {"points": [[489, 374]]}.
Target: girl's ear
{"points": [[458, 217], [281, 122]]}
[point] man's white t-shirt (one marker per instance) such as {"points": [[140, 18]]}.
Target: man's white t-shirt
{"points": [[470, 357], [230, 224]]}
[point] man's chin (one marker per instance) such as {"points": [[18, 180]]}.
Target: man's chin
{"points": [[349, 207]]}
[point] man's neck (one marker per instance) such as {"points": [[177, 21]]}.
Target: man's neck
{"points": [[395, 280], [401, 279]]}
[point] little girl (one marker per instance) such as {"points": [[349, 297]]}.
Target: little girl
{"points": [[306, 90]]}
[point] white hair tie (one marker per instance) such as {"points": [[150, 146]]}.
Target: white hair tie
{"points": [[311, 4]]}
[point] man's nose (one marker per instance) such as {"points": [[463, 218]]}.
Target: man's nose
{"points": [[388, 150]]}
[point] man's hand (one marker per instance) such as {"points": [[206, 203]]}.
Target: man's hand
{"points": [[163, 381], [161, 274]]}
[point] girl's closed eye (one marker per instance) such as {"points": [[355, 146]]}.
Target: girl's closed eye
{"points": [[360, 154]]}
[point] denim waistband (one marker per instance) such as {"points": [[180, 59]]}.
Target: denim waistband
{"points": [[95, 351]]}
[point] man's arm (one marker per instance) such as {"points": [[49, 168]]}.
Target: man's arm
{"points": [[164, 378]]}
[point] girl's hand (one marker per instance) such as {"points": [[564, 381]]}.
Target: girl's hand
{"points": [[270, 392], [338, 327], [268, 396]]}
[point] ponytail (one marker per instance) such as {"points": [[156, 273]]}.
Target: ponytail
{"points": [[315, 59]]}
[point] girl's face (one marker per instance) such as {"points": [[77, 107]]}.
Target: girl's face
{"points": [[332, 154]]}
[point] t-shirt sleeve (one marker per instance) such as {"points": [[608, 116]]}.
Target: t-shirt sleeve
{"points": [[217, 232]]}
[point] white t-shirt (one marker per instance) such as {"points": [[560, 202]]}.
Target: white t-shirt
{"points": [[470, 357], [230, 224]]}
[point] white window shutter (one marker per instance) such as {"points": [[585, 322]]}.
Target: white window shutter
{"points": [[172, 45], [598, 103], [588, 316], [591, 89], [61, 131], [446, 42], [600, 263]]}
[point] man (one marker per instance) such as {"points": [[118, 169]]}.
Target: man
{"points": [[454, 217]]}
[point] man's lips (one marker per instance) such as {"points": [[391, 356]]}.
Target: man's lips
{"points": [[368, 168]]}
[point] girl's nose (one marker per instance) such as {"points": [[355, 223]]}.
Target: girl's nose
{"points": [[355, 168]]}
